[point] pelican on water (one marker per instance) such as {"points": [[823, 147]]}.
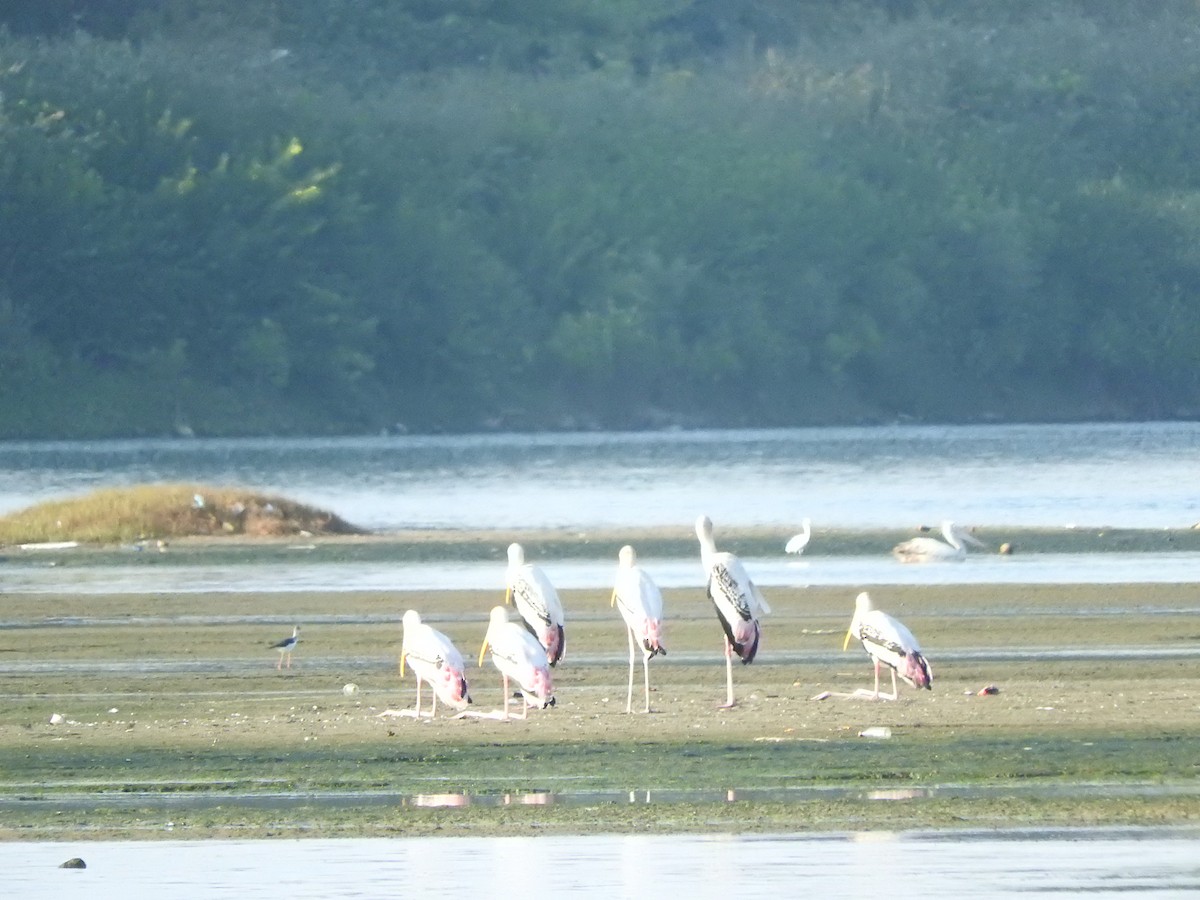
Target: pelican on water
{"points": [[799, 541], [286, 646], [889, 643], [927, 549], [737, 600], [433, 658], [640, 602], [537, 601], [518, 655]]}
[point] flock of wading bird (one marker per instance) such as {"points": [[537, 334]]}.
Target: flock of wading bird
{"points": [[525, 652]]}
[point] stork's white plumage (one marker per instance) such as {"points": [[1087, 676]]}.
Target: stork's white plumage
{"points": [[286, 646], [434, 659], [537, 601], [889, 643], [927, 549], [799, 541], [738, 602], [640, 602], [521, 658]]}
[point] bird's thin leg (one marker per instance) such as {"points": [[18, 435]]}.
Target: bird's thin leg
{"points": [[505, 677], [433, 712], [646, 674], [876, 679], [289, 656], [279, 665], [729, 701], [629, 693], [895, 693]]}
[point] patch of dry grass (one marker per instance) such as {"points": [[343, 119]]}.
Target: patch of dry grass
{"points": [[162, 511]]}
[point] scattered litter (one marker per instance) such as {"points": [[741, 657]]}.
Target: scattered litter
{"points": [[114, 710], [987, 690], [876, 731], [51, 545], [56, 719], [350, 688], [824, 695]]}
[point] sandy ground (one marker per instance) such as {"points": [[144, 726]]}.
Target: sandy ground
{"points": [[175, 721]]}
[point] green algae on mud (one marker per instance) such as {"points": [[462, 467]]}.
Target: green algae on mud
{"points": [[179, 727]]}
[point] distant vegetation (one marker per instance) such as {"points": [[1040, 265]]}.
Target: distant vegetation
{"points": [[160, 511], [242, 217]]}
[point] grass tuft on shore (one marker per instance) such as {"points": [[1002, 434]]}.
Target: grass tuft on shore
{"points": [[163, 511]]}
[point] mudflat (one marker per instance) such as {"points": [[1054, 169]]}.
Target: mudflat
{"points": [[148, 716]]}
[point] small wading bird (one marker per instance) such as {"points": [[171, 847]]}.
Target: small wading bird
{"points": [[800, 541], [640, 602], [737, 599], [520, 657], [434, 659], [286, 646], [927, 549], [537, 601], [889, 643]]}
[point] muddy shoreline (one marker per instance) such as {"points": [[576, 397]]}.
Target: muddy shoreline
{"points": [[176, 723]]}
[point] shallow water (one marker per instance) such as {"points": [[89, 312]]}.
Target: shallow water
{"points": [[1128, 475], [978, 864], [29, 575]]}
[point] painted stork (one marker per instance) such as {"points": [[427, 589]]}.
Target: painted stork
{"points": [[434, 659], [640, 602], [927, 549], [737, 600], [889, 643], [518, 656], [537, 601]]}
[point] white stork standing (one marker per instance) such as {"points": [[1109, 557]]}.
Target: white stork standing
{"points": [[889, 643], [518, 655], [433, 658], [927, 549], [799, 541], [286, 646], [537, 601], [640, 602], [737, 599]]}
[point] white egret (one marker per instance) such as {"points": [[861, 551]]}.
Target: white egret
{"points": [[799, 541]]}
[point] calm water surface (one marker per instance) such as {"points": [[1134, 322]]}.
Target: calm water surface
{"points": [[1051, 863], [1130, 475]]}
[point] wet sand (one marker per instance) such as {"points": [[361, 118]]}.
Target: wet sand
{"points": [[176, 723]]}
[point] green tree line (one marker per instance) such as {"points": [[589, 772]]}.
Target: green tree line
{"points": [[246, 216]]}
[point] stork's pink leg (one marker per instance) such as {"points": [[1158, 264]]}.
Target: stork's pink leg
{"points": [[629, 694], [729, 701]]}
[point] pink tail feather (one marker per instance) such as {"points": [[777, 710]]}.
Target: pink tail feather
{"points": [[917, 672]]}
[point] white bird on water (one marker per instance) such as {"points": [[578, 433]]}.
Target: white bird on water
{"points": [[286, 646], [518, 655], [640, 602], [799, 541], [737, 599], [927, 549], [537, 601], [889, 643], [434, 659]]}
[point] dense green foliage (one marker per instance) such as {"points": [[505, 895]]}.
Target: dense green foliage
{"points": [[241, 216]]}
